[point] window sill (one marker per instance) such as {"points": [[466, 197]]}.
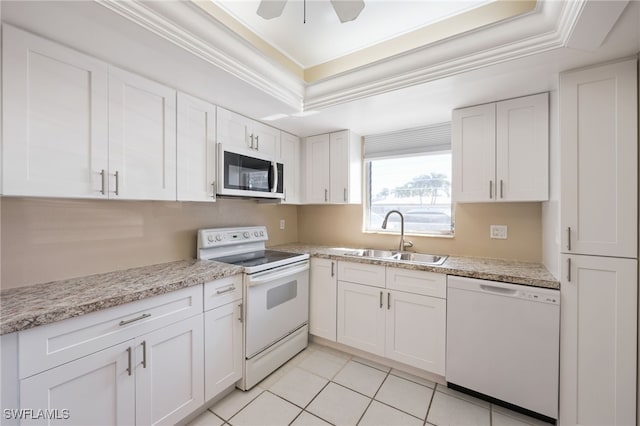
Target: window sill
{"points": [[409, 234]]}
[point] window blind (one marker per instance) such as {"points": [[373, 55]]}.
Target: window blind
{"points": [[418, 140]]}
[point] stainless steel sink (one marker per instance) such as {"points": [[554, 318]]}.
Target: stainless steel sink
{"points": [[400, 256]]}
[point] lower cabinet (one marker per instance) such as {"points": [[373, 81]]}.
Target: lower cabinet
{"points": [[406, 327], [156, 378], [598, 336], [223, 348], [169, 372], [98, 389], [322, 298]]}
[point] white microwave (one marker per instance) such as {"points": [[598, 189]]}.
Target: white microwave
{"points": [[247, 173]]}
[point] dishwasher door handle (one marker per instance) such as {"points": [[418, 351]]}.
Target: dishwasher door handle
{"points": [[499, 290]]}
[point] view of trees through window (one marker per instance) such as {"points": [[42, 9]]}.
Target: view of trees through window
{"points": [[418, 186]]}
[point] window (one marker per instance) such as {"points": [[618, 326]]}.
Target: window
{"points": [[418, 184]]}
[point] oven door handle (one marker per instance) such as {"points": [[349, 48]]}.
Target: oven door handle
{"points": [[269, 276]]}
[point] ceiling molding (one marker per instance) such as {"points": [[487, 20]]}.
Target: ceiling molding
{"points": [[290, 92]]}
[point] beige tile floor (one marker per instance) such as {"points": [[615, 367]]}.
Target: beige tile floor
{"points": [[322, 386]]}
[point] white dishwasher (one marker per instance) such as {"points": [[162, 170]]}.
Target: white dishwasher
{"points": [[503, 342]]}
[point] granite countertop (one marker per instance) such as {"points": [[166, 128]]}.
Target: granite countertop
{"points": [[510, 271], [27, 307]]}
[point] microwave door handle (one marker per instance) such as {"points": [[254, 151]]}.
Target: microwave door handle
{"points": [[274, 171]]}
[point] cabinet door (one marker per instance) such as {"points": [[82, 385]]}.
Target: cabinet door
{"points": [[599, 154], [473, 147], [416, 330], [323, 298], [169, 372], [98, 389], [290, 157], [598, 329], [339, 167], [266, 139], [317, 159], [196, 149], [522, 149], [361, 316], [232, 129], [223, 348], [55, 119], [142, 138]]}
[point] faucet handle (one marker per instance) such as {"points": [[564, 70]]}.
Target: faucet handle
{"points": [[407, 244]]}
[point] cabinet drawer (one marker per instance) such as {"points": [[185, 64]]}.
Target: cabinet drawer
{"points": [[47, 346], [223, 291], [361, 273], [419, 282]]}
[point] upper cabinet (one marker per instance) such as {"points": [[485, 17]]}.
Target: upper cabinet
{"points": [[334, 167], [55, 128], [290, 157], [501, 151], [599, 160], [196, 169], [235, 129], [142, 138]]}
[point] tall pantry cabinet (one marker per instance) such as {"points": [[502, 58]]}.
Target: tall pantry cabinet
{"points": [[599, 224]]}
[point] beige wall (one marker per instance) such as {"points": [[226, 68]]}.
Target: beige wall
{"points": [[52, 239], [342, 225]]}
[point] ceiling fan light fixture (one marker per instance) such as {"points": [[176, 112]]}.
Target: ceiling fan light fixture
{"points": [[269, 9], [347, 10]]}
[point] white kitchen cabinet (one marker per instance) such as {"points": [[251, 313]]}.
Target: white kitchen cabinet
{"points": [[169, 372], [142, 138], [98, 389], [55, 129], [290, 158], [598, 340], [416, 330], [361, 317], [196, 149], [223, 348], [333, 168], [599, 158], [323, 298], [236, 130], [501, 151]]}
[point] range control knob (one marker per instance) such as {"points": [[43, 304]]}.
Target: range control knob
{"points": [[262, 233], [210, 238], [218, 237], [256, 233], [246, 235]]}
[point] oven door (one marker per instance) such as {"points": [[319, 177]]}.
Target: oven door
{"points": [[277, 303], [248, 173]]}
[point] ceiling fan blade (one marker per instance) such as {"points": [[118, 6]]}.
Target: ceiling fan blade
{"points": [[347, 10], [269, 9]]}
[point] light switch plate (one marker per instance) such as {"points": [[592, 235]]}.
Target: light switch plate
{"points": [[498, 232], [281, 223]]}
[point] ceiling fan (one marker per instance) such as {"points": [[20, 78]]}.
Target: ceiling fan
{"points": [[347, 10]]}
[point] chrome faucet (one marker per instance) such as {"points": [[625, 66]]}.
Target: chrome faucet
{"points": [[402, 242]]}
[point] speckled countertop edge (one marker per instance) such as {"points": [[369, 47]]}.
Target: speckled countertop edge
{"points": [[510, 271], [26, 307]]}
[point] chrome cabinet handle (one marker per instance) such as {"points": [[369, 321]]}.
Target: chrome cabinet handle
{"points": [[388, 300], [129, 371], [102, 173], [143, 316], [569, 238], [251, 144], [380, 300], [326, 194], [257, 143], [345, 195], [117, 175], [569, 270], [144, 354], [501, 194], [332, 270], [213, 189], [226, 290], [240, 317], [490, 189]]}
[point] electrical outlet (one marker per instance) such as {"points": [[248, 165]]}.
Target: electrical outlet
{"points": [[498, 232], [281, 223]]}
